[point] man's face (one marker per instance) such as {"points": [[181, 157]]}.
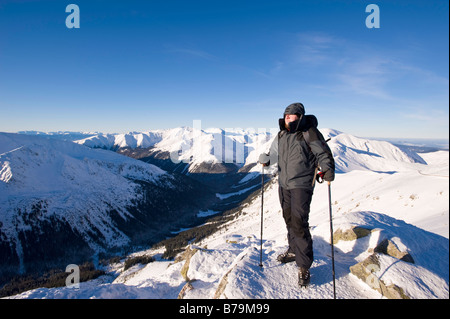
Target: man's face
{"points": [[288, 118]]}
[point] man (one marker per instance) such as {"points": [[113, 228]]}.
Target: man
{"points": [[298, 149]]}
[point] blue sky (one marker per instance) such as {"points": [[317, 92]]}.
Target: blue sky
{"points": [[142, 65]]}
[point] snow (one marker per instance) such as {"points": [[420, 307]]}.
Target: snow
{"points": [[190, 145], [243, 147], [75, 183], [399, 196], [242, 191], [207, 213]]}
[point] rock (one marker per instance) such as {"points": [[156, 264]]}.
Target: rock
{"points": [[222, 285], [387, 247], [350, 234], [187, 287], [187, 255], [366, 269]]}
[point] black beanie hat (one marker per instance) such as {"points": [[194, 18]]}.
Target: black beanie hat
{"points": [[295, 108]]}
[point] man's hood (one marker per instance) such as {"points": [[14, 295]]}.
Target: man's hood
{"points": [[301, 125]]}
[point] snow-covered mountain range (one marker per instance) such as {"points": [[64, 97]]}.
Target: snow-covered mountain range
{"points": [[223, 150], [93, 200], [242, 148], [401, 197]]}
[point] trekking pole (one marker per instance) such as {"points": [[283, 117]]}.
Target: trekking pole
{"points": [[332, 241], [262, 216]]}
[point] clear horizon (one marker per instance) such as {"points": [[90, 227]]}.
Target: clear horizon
{"points": [[442, 143], [140, 66]]}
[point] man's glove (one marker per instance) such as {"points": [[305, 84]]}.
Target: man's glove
{"points": [[328, 175], [264, 159]]}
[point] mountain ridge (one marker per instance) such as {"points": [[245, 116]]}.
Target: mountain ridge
{"points": [[84, 193], [241, 148]]}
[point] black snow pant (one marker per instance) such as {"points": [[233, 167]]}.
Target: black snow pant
{"points": [[295, 204]]}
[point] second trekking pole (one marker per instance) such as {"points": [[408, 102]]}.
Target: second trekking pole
{"points": [[262, 215], [332, 241]]}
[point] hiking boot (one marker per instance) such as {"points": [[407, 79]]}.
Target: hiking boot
{"points": [[286, 257], [304, 277]]}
